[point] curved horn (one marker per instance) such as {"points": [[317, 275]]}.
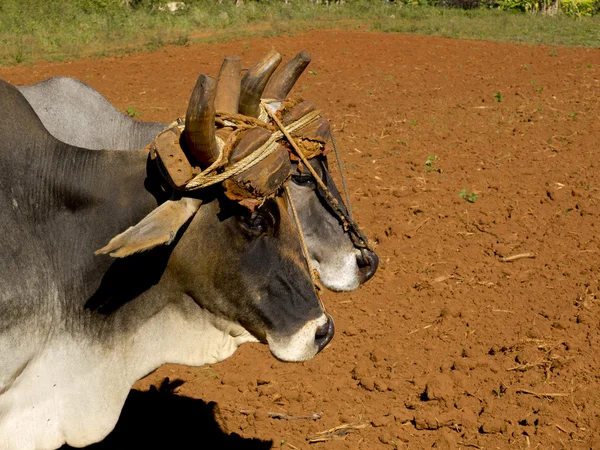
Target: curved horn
{"points": [[283, 81], [200, 122], [228, 85], [255, 81]]}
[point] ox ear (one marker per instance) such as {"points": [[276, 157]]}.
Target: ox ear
{"points": [[157, 228]]}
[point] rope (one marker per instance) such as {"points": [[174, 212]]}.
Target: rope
{"points": [[340, 167], [209, 177], [357, 237], [314, 276], [206, 178]]}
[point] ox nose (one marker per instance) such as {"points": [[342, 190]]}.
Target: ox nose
{"points": [[367, 264], [325, 333]]}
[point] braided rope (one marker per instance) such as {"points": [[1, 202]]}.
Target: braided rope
{"points": [[314, 275], [343, 178], [208, 178], [356, 235]]}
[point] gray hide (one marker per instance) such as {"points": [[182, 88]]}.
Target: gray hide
{"points": [[75, 113], [77, 330]]}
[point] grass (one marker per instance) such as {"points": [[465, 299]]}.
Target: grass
{"points": [[37, 29], [430, 164], [470, 197], [132, 112]]}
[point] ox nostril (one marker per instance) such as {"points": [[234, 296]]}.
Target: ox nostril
{"points": [[325, 333], [367, 263]]}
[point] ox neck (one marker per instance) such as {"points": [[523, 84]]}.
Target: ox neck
{"points": [[86, 198]]}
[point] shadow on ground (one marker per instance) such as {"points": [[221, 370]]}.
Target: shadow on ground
{"points": [[160, 419]]}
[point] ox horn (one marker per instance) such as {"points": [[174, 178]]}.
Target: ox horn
{"points": [[227, 98], [200, 122], [283, 81], [254, 83]]}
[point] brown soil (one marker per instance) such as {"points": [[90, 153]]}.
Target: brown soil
{"points": [[450, 345]]}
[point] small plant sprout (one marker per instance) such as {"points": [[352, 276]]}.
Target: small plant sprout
{"points": [[430, 164], [498, 96], [313, 72], [132, 112], [467, 196], [573, 115]]}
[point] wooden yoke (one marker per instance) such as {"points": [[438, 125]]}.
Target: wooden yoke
{"points": [[173, 160]]}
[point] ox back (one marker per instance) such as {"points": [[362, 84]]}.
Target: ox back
{"points": [[49, 195], [75, 113]]}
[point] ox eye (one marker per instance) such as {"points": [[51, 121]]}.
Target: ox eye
{"points": [[256, 224], [304, 180]]}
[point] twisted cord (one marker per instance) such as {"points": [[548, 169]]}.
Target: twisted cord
{"points": [[340, 167], [313, 273], [208, 178]]}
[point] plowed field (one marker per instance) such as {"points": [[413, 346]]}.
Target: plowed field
{"points": [[473, 167]]}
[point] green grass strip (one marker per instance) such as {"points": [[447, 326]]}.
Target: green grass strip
{"points": [[55, 30]]}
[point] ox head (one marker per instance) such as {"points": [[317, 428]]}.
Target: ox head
{"points": [[240, 260], [239, 255], [342, 266]]}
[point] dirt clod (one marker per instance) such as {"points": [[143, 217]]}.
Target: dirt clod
{"points": [[439, 388], [493, 426]]}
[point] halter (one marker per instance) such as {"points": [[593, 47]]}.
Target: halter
{"points": [[183, 177]]}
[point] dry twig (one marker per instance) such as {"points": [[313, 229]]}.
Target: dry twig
{"points": [[525, 367], [464, 444], [519, 256], [424, 328], [282, 416], [542, 394], [276, 415], [338, 432], [411, 234]]}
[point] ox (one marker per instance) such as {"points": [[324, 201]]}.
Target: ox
{"points": [[77, 330], [75, 113]]}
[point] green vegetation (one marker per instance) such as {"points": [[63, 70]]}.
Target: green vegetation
{"points": [[42, 29], [430, 164], [571, 8], [467, 196], [132, 112]]}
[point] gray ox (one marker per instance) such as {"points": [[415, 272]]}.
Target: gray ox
{"points": [[75, 113], [77, 330]]}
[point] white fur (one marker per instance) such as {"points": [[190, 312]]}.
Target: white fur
{"points": [[341, 271], [335, 258], [300, 346], [72, 389]]}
